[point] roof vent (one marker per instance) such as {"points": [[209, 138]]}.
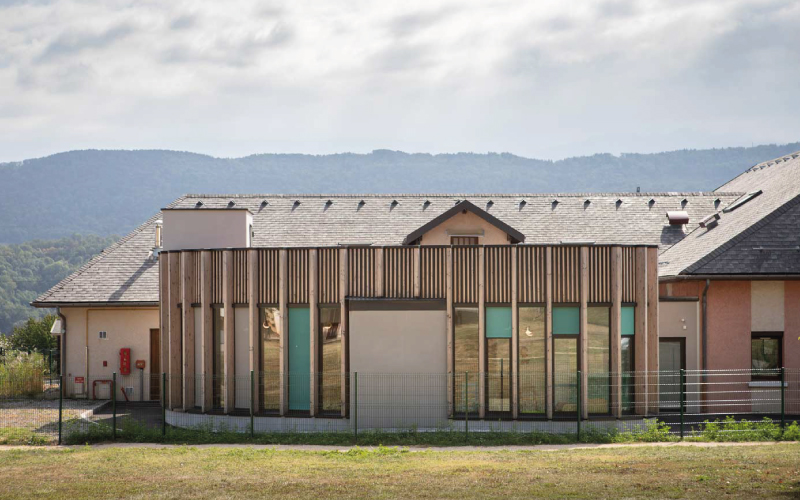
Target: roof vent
{"points": [[328, 204], [489, 204], [426, 204], [360, 204], [586, 204], [678, 217], [199, 204], [717, 202], [264, 203], [554, 204], [522, 204], [741, 201], [638, 189], [393, 204], [231, 204], [684, 202], [618, 203], [710, 221], [295, 204], [651, 202]]}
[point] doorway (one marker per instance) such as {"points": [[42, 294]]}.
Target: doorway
{"points": [[155, 364], [671, 360]]}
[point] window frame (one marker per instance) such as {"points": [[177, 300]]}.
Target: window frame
{"points": [[320, 403], [766, 335]]}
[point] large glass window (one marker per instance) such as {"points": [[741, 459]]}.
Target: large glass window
{"points": [[532, 365], [627, 375], [498, 359], [270, 355], [331, 358], [599, 362], [766, 355], [218, 377], [565, 374], [466, 340]]}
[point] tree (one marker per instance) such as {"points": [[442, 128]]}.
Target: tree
{"points": [[34, 334]]}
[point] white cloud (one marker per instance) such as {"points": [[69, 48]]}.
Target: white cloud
{"points": [[545, 78]]}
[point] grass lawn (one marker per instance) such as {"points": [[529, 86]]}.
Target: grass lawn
{"points": [[649, 472]]}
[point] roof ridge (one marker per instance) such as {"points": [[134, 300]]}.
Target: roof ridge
{"points": [[763, 164], [451, 195], [97, 258]]}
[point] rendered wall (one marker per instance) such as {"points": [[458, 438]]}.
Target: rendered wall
{"points": [[194, 229]]}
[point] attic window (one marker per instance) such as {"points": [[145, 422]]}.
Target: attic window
{"points": [[199, 204], [741, 201]]}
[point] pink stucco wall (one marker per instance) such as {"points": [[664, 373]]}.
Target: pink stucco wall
{"points": [[729, 325], [791, 345]]}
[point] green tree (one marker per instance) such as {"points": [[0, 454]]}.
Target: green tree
{"points": [[34, 334]]}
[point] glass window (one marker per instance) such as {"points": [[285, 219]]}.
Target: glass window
{"points": [[627, 375], [498, 376], [270, 378], [628, 314], [566, 321], [599, 362], [331, 358], [466, 339], [532, 365], [565, 373], [218, 378], [765, 353]]}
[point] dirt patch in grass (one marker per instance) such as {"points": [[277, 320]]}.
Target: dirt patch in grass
{"points": [[634, 472]]}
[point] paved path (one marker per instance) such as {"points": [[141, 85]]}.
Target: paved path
{"points": [[301, 447]]}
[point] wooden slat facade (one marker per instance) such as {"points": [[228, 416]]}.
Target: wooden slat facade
{"points": [[465, 274], [628, 274], [298, 270], [531, 274], [497, 274], [599, 274], [240, 279], [217, 281], [433, 272], [361, 272], [268, 273], [566, 275], [197, 265], [328, 276], [398, 272]]}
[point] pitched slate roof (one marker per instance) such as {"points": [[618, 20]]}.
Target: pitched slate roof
{"points": [[761, 236], [124, 273]]}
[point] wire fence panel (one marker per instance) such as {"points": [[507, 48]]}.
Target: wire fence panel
{"points": [[38, 408]]}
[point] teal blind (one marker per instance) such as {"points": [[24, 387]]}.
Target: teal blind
{"points": [[566, 321], [628, 327], [498, 322]]}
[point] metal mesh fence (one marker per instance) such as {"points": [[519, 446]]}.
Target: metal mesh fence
{"points": [[40, 409]]}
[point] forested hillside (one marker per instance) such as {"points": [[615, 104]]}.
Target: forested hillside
{"points": [[28, 269], [111, 192]]}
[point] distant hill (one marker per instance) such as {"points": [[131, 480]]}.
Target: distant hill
{"points": [[110, 192]]}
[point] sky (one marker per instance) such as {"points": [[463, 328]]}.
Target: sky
{"points": [[542, 79]]}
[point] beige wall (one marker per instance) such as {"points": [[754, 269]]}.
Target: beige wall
{"points": [[125, 327], [192, 229], [464, 223], [681, 319], [766, 306]]}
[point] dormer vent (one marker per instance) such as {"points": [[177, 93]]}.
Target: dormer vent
{"points": [[586, 204], [678, 217], [295, 204], [618, 204], [199, 204], [717, 203], [684, 202], [426, 204], [264, 203], [554, 204], [651, 202], [231, 204], [489, 204], [361, 204], [393, 204], [522, 204], [328, 204]]}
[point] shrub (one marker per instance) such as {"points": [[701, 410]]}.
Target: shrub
{"points": [[21, 374]]}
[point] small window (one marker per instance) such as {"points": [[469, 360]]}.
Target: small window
{"points": [[766, 356], [464, 240], [103, 335], [741, 201]]}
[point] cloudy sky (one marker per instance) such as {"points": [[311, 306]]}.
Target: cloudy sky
{"points": [[545, 79]]}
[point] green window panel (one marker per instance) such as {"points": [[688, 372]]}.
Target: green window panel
{"points": [[628, 327], [566, 321], [498, 322], [299, 359]]}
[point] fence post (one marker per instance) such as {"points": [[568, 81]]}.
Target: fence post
{"points": [[114, 405], [580, 410], [466, 406], [683, 397], [252, 398], [355, 406], [783, 398], [60, 404], [163, 403]]}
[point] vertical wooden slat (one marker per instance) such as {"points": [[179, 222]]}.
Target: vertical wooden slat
{"points": [[599, 274], [450, 352], [187, 295], [481, 335], [344, 326], [652, 327], [313, 279], [548, 325], [379, 285], [255, 333], [584, 329], [640, 335], [283, 342], [229, 331], [628, 274], [514, 336], [616, 331], [196, 262], [175, 332], [206, 335], [163, 296]]}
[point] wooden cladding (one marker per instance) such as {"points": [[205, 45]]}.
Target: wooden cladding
{"points": [[599, 274], [406, 272], [298, 275], [216, 276], [433, 272], [362, 271], [628, 274], [465, 274], [328, 275], [398, 272], [531, 274], [566, 274], [497, 278]]}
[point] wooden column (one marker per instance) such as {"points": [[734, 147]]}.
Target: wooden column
{"points": [[206, 332], [416, 271], [283, 341], [174, 372], [584, 335], [548, 329], [344, 326], [514, 337], [187, 296], [640, 337], [230, 337], [449, 306], [616, 331], [652, 328], [163, 298], [481, 333], [255, 330], [379, 272], [313, 311]]}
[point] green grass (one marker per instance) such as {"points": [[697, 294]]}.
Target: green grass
{"points": [[390, 473], [22, 436]]}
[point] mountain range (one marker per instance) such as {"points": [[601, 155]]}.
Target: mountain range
{"points": [[104, 192]]}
